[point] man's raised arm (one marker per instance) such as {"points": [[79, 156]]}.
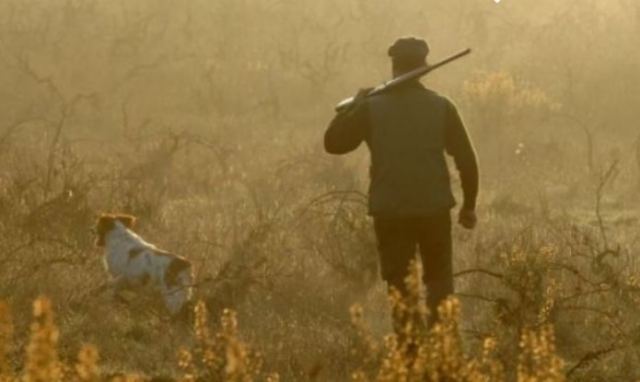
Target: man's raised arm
{"points": [[348, 129]]}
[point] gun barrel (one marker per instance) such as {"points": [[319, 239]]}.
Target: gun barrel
{"points": [[417, 73]]}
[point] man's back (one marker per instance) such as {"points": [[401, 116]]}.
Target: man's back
{"points": [[408, 130], [407, 140]]}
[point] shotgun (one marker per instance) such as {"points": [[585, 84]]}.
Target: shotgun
{"points": [[417, 73]]}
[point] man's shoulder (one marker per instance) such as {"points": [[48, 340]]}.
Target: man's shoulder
{"points": [[445, 100], [416, 91]]}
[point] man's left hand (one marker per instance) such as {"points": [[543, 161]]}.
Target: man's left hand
{"points": [[467, 218]]}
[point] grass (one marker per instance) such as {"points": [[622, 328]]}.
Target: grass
{"points": [[228, 170], [412, 355], [287, 269]]}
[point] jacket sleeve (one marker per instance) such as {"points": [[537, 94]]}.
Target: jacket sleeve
{"points": [[459, 146], [347, 130]]}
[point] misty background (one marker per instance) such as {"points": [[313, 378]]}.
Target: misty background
{"points": [[205, 120]]}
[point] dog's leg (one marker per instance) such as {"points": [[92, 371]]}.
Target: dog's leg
{"points": [[119, 284], [177, 297], [174, 298]]}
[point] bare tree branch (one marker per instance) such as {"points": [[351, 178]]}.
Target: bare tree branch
{"points": [[604, 180]]}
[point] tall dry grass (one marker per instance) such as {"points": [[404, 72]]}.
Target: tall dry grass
{"points": [[205, 120], [411, 354]]}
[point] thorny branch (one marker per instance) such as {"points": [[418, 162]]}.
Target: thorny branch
{"points": [[9, 130], [67, 108], [67, 111], [604, 180]]}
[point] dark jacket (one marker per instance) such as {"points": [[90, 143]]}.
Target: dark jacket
{"points": [[408, 130]]}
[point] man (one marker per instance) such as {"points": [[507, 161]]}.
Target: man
{"points": [[408, 130]]}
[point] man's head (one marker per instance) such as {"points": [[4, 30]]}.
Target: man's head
{"points": [[407, 54]]}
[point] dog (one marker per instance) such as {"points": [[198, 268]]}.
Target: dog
{"points": [[133, 262]]}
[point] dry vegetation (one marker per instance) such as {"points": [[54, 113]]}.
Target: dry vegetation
{"points": [[205, 118]]}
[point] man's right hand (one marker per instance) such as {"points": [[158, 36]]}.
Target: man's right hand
{"points": [[359, 98], [361, 95]]}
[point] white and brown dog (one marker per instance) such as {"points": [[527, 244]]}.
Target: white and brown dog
{"points": [[132, 262]]}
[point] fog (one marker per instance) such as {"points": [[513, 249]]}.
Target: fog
{"points": [[205, 118]]}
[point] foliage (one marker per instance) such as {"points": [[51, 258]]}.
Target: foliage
{"points": [[204, 119], [435, 355]]}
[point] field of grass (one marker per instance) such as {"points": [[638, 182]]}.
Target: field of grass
{"points": [[205, 120]]}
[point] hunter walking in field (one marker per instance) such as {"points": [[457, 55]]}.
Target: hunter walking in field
{"points": [[408, 130]]}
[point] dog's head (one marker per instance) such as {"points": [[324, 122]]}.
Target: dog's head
{"points": [[107, 222]]}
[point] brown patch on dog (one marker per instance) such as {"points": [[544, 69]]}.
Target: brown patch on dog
{"points": [[106, 222], [128, 220], [134, 252], [145, 279], [177, 265]]}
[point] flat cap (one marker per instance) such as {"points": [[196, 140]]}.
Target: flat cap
{"points": [[409, 47]]}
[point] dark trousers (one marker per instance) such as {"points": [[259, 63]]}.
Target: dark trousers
{"points": [[398, 240]]}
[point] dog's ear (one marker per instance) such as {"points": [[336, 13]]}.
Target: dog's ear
{"points": [[128, 220], [106, 223]]}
